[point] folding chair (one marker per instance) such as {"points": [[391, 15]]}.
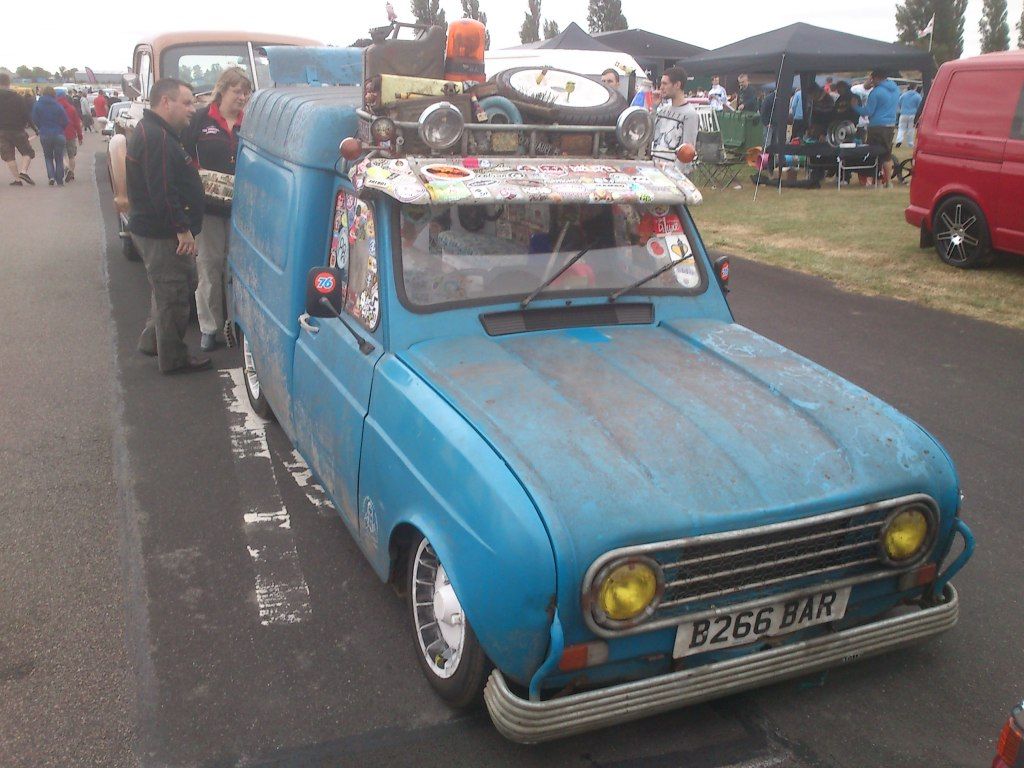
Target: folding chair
{"points": [[713, 165], [866, 161]]}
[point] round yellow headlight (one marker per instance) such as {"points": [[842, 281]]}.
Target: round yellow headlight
{"points": [[627, 590], [905, 534]]}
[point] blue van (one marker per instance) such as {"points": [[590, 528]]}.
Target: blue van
{"points": [[518, 378]]}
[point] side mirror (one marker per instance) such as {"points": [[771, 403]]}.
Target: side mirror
{"points": [[324, 292], [130, 86], [721, 267]]}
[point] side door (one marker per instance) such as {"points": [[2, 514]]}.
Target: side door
{"points": [[1008, 233], [332, 376]]}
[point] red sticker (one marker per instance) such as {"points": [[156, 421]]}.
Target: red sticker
{"points": [[324, 282]]}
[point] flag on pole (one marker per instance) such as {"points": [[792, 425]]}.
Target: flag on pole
{"points": [[929, 28], [90, 75]]}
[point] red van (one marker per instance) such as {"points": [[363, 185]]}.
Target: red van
{"points": [[967, 190]]}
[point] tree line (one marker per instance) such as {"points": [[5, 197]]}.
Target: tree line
{"points": [[912, 16], [602, 16], [25, 72]]}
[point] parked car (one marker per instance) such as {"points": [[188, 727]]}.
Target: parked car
{"points": [[967, 189], [519, 381], [113, 112], [1009, 748], [197, 58]]}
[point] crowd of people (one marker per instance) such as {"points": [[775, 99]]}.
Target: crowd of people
{"points": [[172, 222], [58, 116]]}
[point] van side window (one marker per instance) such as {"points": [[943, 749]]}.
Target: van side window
{"points": [[353, 250], [1017, 130], [972, 107]]}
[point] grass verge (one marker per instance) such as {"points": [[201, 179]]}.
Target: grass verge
{"points": [[857, 238]]}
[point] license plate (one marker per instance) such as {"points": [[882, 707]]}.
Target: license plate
{"points": [[753, 624]]}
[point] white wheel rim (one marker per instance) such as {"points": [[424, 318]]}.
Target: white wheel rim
{"points": [[437, 614], [251, 378], [559, 88]]}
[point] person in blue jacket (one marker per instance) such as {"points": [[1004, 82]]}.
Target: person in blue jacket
{"points": [[910, 100], [51, 120], [880, 110]]}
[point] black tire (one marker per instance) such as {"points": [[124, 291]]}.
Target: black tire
{"points": [[905, 170], [463, 686], [605, 113], [257, 397], [961, 234]]}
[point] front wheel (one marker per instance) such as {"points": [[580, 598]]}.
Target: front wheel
{"points": [[961, 234], [257, 399], [448, 651]]}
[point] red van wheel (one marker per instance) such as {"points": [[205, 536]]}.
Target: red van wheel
{"points": [[961, 234]]}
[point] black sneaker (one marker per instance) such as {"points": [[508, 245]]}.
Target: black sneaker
{"points": [[68, 176], [52, 182], [17, 183], [26, 178]]}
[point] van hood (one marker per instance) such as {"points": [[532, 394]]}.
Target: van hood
{"points": [[628, 435]]}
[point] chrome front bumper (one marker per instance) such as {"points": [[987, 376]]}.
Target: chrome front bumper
{"points": [[530, 722]]}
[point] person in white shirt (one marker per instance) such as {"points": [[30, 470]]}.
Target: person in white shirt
{"points": [[677, 122], [717, 96]]}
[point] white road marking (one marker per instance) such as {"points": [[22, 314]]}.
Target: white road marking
{"points": [[282, 594], [303, 478]]}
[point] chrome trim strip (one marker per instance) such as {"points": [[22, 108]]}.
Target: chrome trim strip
{"points": [[661, 546], [530, 722]]}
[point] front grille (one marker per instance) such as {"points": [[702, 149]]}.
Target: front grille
{"points": [[722, 569]]}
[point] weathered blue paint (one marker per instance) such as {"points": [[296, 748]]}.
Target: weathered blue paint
{"points": [[523, 458]]}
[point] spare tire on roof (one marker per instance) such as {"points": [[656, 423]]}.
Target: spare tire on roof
{"points": [[567, 97]]}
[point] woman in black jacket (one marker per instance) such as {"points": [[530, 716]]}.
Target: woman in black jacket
{"points": [[212, 141]]}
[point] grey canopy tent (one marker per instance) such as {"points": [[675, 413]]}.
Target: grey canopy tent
{"points": [[806, 50], [653, 52], [573, 38]]}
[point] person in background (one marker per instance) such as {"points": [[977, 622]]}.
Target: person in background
{"points": [[212, 141], [72, 133], [880, 110], [846, 102], [100, 106], [829, 88], [165, 197], [610, 77], [677, 122], [51, 120], [86, 110], [746, 97], [15, 118], [909, 101], [796, 112], [717, 96]]}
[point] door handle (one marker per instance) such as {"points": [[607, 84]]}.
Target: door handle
{"points": [[307, 325]]}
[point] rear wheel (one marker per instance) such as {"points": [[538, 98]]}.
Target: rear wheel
{"points": [[961, 234], [448, 651], [257, 399]]}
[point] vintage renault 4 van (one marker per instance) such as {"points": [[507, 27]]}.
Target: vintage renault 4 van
{"points": [[518, 378]]}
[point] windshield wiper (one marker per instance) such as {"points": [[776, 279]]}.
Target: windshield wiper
{"points": [[526, 302], [656, 273]]}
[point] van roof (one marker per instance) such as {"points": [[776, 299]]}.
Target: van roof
{"points": [[302, 125], [998, 60], [166, 39]]}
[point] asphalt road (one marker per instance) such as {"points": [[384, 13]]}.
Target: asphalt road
{"points": [[135, 620]]}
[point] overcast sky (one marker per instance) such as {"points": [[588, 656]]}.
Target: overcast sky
{"points": [[103, 39]]}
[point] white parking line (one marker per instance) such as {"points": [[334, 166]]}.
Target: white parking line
{"points": [[303, 478], [282, 594]]}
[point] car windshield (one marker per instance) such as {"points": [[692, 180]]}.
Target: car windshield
{"points": [[200, 65], [474, 254]]}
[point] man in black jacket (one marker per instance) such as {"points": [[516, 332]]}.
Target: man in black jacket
{"points": [[14, 119], [165, 196]]}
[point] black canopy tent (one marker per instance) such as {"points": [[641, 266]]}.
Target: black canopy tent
{"points": [[572, 38], [806, 50], [652, 52]]}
